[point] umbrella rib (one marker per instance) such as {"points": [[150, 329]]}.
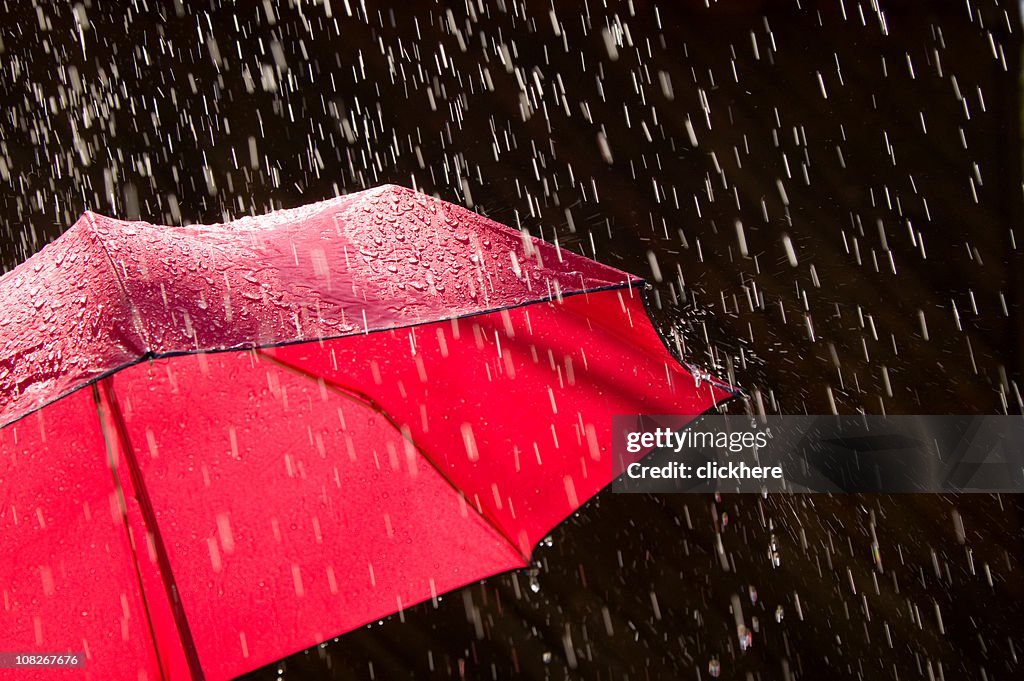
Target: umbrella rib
{"points": [[106, 388], [362, 398]]}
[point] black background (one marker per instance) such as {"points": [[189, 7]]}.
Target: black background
{"points": [[907, 122]]}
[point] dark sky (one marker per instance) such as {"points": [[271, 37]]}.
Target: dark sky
{"points": [[826, 201]]}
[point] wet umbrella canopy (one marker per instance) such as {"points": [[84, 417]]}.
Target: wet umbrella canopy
{"points": [[826, 198], [428, 393]]}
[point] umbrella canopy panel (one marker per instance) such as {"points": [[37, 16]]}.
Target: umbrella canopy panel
{"points": [[108, 292]]}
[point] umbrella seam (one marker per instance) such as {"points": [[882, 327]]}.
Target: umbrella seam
{"points": [[377, 407], [136, 318], [150, 355]]}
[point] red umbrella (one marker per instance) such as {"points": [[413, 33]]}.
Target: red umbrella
{"points": [[228, 443]]}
